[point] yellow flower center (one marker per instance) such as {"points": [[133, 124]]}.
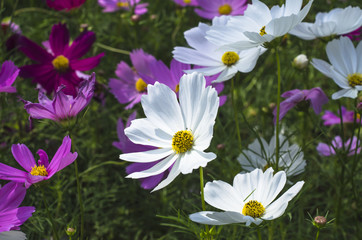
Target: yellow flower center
{"points": [[225, 9], [141, 86], [61, 63], [122, 4], [39, 171], [253, 209], [182, 141], [354, 79], [177, 88], [229, 58], [262, 31], [187, 1]]}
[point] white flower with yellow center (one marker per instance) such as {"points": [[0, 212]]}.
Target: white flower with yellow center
{"points": [[180, 131], [249, 200], [258, 25], [211, 58], [346, 68], [338, 21]]}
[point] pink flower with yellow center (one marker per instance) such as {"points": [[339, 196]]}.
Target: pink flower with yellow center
{"points": [[210, 9]]}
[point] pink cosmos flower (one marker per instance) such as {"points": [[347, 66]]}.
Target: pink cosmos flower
{"points": [[64, 4], [11, 215], [59, 66], [126, 146], [315, 96], [62, 106], [127, 5], [129, 87], [355, 35], [331, 119], [327, 150], [210, 9], [36, 173], [8, 74], [185, 3]]}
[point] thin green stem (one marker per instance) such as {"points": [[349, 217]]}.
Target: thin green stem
{"points": [[278, 112], [202, 194], [112, 49], [259, 233], [235, 114], [342, 127], [55, 233], [81, 206], [34, 9], [317, 236]]}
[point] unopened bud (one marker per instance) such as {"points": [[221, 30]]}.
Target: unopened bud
{"points": [[135, 18], [320, 221], [220, 146], [300, 61], [70, 231]]}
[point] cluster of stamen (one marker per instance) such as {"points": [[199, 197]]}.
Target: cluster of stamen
{"points": [[229, 58], [253, 209], [262, 31], [61, 63], [141, 86], [182, 141], [225, 9], [39, 171], [354, 79], [187, 1], [122, 4]]}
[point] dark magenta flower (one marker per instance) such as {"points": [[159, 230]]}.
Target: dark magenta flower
{"points": [[36, 173], [314, 97], [62, 106], [58, 66], [11, 215], [127, 5], [64, 4], [210, 9], [126, 146], [355, 35], [331, 119], [8, 74], [327, 150], [129, 87]]}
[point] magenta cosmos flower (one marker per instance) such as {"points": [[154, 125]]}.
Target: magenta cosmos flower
{"points": [[315, 97], [8, 74], [59, 66], [64, 4], [327, 150], [127, 5], [185, 3], [126, 146], [11, 215], [129, 87], [36, 173], [62, 106], [355, 35], [331, 119], [210, 9]]}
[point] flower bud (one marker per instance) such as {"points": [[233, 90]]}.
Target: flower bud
{"points": [[70, 231], [320, 221], [300, 61], [135, 18]]}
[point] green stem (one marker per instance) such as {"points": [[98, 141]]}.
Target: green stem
{"points": [[317, 236], [112, 49], [80, 200], [259, 233], [34, 9], [342, 128], [271, 231], [202, 194], [278, 112], [235, 114], [50, 216]]}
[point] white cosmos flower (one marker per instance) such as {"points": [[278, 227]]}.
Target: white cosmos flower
{"points": [[338, 21], [180, 131], [260, 154], [12, 235], [346, 68], [213, 59], [249, 200], [259, 24]]}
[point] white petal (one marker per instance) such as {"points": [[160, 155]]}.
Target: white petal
{"points": [[12, 235], [248, 59], [351, 93], [175, 171], [194, 159], [272, 187], [246, 184], [219, 218], [192, 56], [147, 156]]}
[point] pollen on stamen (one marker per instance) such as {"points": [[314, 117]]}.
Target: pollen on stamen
{"points": [[262, 31], [39, 171], [253, 209], [122, 4], [182, 141], [229, 58], [187, 1], [225, 9], [61, 63], [140, 85], [354, 79], [177, 88]]}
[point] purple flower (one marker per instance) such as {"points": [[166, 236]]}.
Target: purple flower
{"points": [[185, 3], [127, 5], [129, 87], [315, 96], [355, 35], [6, 24], [8, 74], [62, 106], [126, 146], [11, 215], [210, 9], [37, 173], [331, 119], [58, 66], [64, 4], [327, 150]]}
